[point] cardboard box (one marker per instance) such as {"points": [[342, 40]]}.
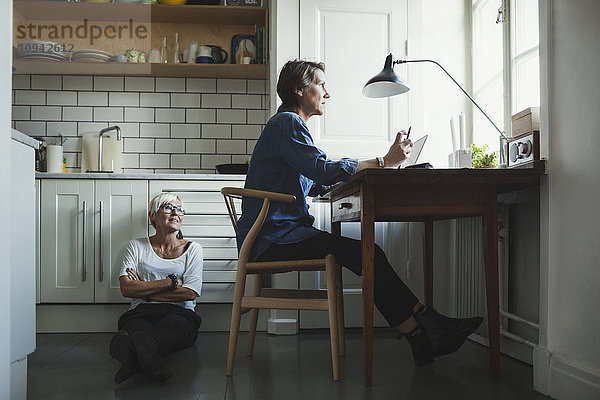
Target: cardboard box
{"points": [[526, 121]]}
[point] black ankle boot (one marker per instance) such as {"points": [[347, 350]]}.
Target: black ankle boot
{"points": [[419, 344], [445, 334], [149, 358], [121, 348]]}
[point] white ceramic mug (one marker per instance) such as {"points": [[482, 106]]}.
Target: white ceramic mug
{"points": [[204, 51], [246, 60]]}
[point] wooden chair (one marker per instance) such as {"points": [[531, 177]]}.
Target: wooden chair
{"points": [[289, 299]]}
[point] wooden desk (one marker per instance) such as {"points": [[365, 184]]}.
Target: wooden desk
{"points": [[427, 195]]}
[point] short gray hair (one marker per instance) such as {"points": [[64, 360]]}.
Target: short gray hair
{"points": [[160, 200]]}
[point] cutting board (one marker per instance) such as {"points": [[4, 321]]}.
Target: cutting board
{"points": [[111, 152]]}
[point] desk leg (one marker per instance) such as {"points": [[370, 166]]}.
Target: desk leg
{"points": [[367, 218], [490, 251], [428, 262]]}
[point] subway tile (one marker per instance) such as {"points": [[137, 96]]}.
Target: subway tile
{"points": [[170, 85], [75, 82], [71, 160], [210, 160], [21, 81], [201, 85], [45, 113], [128, 129], [31, 128], [231, 116], [77, 113], [200, 115], [231, 86], [48, 82], [30, 97], [83, 127], [92, 98], [245, 131], [154, 100], [266, 102], [257, 117], [169, 146], [139, 84], [139, 114], [257, 86], [199, 146], [138, 145], [72, 144], [240, 158], [170, 115], [154, 130], [130, 160], [123, 99], [21, 113], [250, 146], [138, 171], [108, 114], [185, 100], [246, 101], [216, 101], [185, 161], [62, 98], [199, 171], [154, 160], [64, 128], [225, 146], [216, 131], [185, 130], [169, 171], [110, 83]]}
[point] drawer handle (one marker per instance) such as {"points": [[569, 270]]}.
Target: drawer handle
{"points": [[344, 205]]}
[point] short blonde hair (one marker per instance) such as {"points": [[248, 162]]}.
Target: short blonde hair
{"points": [[160, 200]]}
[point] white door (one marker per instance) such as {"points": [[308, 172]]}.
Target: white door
{"points": [[353, 38], [120, 215], [67, 245]]}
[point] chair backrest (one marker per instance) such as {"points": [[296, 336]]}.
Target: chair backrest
{"points": [[232, 193]]}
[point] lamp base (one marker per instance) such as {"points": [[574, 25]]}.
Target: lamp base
{"points": [[460, 159]]}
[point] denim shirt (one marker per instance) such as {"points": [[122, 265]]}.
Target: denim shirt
{"points": [[285, 160]]}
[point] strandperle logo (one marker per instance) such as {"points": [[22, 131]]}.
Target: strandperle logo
{"points": [[92, 32]]}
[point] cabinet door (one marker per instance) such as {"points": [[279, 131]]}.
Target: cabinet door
{"points": [[121, 214], [67, 245]]}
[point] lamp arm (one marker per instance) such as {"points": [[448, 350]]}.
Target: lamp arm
{"points": [[460, 87]]}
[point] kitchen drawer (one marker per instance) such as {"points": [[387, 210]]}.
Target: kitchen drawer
{"points": [[346, 209]]}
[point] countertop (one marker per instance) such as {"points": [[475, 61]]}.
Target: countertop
{"points": [[144, 176], [25, 139]]}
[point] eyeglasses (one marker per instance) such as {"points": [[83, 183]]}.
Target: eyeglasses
{"points": [[168, 209]]}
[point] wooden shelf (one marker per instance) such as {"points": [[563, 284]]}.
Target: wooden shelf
{"points": [[237, 71], [106, 12]]}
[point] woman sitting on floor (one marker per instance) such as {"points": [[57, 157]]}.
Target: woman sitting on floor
{"points": [[163, 276]]}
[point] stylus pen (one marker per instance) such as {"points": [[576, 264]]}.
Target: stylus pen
{"points": [[408, 134]]}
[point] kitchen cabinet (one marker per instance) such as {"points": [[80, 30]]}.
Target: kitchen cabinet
{"points": [[207, 223], [117, 27], [84, 227]]}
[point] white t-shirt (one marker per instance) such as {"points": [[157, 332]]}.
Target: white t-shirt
{"points": [[140, 257]]}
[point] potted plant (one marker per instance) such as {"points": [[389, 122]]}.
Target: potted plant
{"points": [[481, 158]]}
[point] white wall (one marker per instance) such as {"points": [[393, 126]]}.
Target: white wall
{"points": [[5, 111], [567, 362]]}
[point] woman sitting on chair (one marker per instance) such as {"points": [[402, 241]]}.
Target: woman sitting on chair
{"points": [[163, 276], [286, 160]]}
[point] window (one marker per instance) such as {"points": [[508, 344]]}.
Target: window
{"points": [[505, 59]]}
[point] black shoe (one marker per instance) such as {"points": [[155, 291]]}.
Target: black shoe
{"points": [[121, 348], [419, 344], [445, 334], [148, 356]]}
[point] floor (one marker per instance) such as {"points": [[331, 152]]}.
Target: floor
{"points": [[78, 366]]}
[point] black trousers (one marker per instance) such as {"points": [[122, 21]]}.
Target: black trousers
{"points": [[173, 327], [392, 297]]}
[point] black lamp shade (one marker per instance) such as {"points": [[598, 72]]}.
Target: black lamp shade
{"points": [[386, 83]]}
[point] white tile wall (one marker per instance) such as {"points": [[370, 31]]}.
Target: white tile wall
{"points": [[169, 125]]}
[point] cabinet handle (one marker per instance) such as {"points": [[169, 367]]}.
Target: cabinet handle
{"points": [[84, 269], [101, 275], [344, 205]]}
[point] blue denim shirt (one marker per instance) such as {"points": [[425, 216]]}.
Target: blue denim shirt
{"points": [[285, 160]]}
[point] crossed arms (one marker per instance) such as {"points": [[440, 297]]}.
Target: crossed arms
{"points": [[158, 290]]}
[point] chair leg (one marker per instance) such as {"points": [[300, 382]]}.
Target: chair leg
{"points": [[333, 318], [236, 314], [254, 314], [340, 309]]}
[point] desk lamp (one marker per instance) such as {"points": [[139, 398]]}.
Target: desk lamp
{"points": [[387, 83]]}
